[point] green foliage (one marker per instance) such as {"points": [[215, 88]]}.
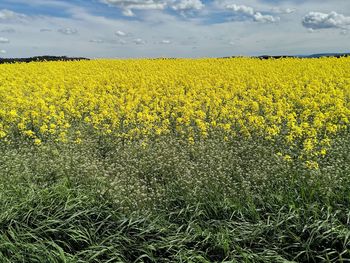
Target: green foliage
{"points": [[105, 200]]}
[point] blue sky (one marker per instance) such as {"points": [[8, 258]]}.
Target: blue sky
{"points": [[172, 28]]}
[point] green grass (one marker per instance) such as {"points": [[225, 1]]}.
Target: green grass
{"points": [[215, 201]]}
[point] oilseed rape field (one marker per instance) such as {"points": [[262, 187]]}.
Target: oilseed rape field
{"points": [[175, 160], [301, 104]]}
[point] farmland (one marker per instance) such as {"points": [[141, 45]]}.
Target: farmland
{"points": [[184, 160]]}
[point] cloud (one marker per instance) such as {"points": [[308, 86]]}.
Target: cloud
{"points": [[45, 30], [187, 5], [2, 51], [139, 41], [317, 20], [120, 33], [282, 11], [4, 40], [165, 42], [241, 9], [9, 16], [128, 12], [68, 31], [95, 22], [127, 6], [258, 17], [251, 13]]}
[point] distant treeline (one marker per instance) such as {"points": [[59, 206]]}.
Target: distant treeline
{"points": [[64, 58], [39, 59], [336, 55]]}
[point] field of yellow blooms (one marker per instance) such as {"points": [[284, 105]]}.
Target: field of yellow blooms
{"points": [[175, 160], [299, 103]]}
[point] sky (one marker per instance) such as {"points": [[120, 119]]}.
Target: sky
{"points": [[173, 28]]}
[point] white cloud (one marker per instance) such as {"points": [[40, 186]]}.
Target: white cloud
{"points": [[9, 16], [120, 33], [241, 9], [128, 12], [128, 5], [210, 31], [317, 20], [139, 41], [165, 41], [186, 5], [68, 31], [2, 51], [251, 13], [258, 17], [281, 11], [4, 40], [45, 30]]}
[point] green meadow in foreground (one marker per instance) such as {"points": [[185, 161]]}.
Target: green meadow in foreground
{"points": [[214, 201]]}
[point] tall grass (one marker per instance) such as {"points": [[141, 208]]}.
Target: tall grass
{"points": [[215, 201]]}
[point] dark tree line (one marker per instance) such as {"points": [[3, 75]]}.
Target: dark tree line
{"points": [[336, 55], [39, 59], [65, 58]]}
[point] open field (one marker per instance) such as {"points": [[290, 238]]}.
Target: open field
{"points": [[208, 160]]}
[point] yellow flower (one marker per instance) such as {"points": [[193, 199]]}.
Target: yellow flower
{"points": [[323, 152], [2, 134], [29, 133], [287, 158], [312, 165], [298, 102]]}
